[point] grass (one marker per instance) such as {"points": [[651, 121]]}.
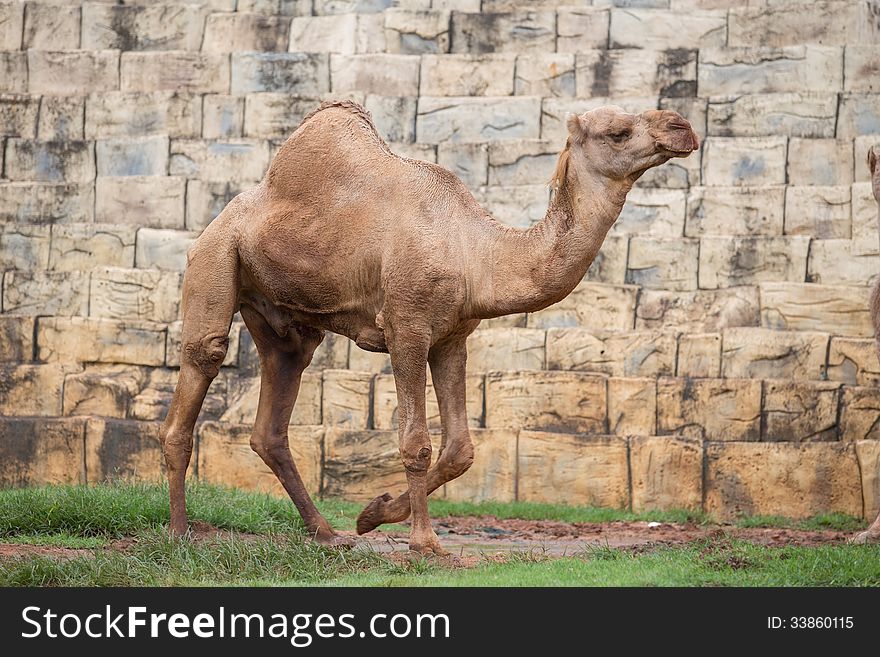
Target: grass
{"points": [[268, 546]]}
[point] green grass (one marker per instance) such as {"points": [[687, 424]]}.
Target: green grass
{"points": [[267, 546]]}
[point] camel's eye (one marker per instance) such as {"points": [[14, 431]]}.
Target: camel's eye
{"points": [[620, 136]]}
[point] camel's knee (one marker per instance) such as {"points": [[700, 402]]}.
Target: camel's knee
{"points": [[270, 447], [177, 447], [415, 451], [207, 353], [454, 462]]}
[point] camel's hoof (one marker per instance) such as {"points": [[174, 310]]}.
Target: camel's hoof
{"points": [[863, 538], [428, 549], [373, 514], [332, 539]]}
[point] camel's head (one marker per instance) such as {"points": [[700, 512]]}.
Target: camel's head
{"points": [[618, 145], [874, 167]]}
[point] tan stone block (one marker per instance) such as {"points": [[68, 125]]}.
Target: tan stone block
{"points": [[334, 34], [136, 114], [761, 353], [800, 411], [631, 72], [822, 212], [18, 115], [394, 116], [652, 213], [147, 294], [391, 75], [581, 28], [519, 32], [72, 72], [812, 115], [698, 311], [173, 343], [90, 340], [790, 479], [16, 338], [143, 27], [50, 161], [857, 115], [174, 71], [518, 206], [467, 75], [744, 161], [853, 361], [332, 353], [749, 211], [663, 263], [358, 465], [832, 262], [699, 355], [41, 451], [31, 389], [346, 399], [493, 474], [861, 65], [240, 159], [205, 200], [46, 293], [840, 309], [543, 74], [861, 144], [275, 115], [245, 31], [546, 401], [644, 28], [868, 454], [572, 469], [222, 116], [506, 349], [51, 27], [123, 449], [864, 220], [141, 200], [714, 409], [820, 162], [470, 162], [37, 203], [13, 72], [477, 119], [860, 413], [609, 266], [385, 402], [163, 249], [735, 261], [826, 23], [84, 246], [667, 473], [62, 117], [632, 406], [361, 360], [595, 306], [637, 353], [138, 156], [11, 25], [100, 393], [244, 397], [416, 32], [24, 247], [226, 458]]}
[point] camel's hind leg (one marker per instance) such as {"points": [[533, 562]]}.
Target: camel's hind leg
{"points": [[872, 533], [282, 361], [210, 297]]}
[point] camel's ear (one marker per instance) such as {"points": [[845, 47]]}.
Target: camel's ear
{"points": [[872, 159], [577, 128]]}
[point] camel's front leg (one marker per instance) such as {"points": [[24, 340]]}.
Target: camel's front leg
{"points": [[448, 369], [408, 348]]}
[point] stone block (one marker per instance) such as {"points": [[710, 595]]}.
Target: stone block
{"points": [[581, 28], [225, 457], [663, 263], [841, 309], [735, 261], [760, 353], [853, 361], [467, 75], [711, 409], [16, 339], [810, 115], [391, 75], [62, 117], [18, 115], [857, 115], [860, 414], [292, 73], [220, 161], [868, 454], [820, 162], [632, 406], [861, 66], [518, 206], [519, 32], [46, 293], [595, 306], [506, 349], [609, 266], [12, 25], [631, 72], [50, 161], [222, 116], [699, 356], [477, 119], [41, 451], [744, 161], [652, 213], [139, 156], [147, 294], [637, 353], [492, 477], [821, 212], [568, 402], [105, 394], [751, 211], [24, 247], [832, 262], [470, 162], [865, 220], [643, 28], [346, 399], [31, 389], [361, 360], [667, 473], [763, 69], [142, 27], [163, 249], [140, 200], [416, 32], [80, 247], [800, 411], [120, 114], [791, 479], [91, 340], [13, 72], [73, 72], [206, 199], [572, 469], [275, 115], [244, 397], [394, 116], [825, 23], [322, 34], [45, 203], [244, 31], [547, 74], [385, 402], [174, 71], [123, 449]]}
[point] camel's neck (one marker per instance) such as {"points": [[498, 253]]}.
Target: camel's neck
{"points": [[532, 269]]}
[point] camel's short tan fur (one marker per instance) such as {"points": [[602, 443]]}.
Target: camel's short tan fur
{"points": [[343, 235]]}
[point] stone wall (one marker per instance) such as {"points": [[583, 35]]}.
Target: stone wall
{"points": [[718, 354]]}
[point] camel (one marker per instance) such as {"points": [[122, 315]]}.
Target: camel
{"points": [[872, 533], [343, 235]]}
